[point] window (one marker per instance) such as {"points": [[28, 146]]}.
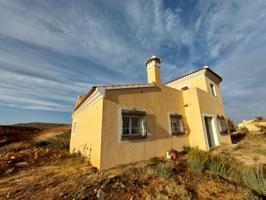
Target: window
{"points": [[177, 125], [213, 90], [222, 124], [134, 124], [74, 127]]}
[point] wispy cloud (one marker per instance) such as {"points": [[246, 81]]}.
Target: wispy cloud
{"points": [[53, 51]]}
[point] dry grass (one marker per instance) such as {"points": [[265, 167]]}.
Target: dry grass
{"points": [[55, 174], [250, 150]]}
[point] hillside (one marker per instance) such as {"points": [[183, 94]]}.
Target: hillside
{"points": [[35, 164]]}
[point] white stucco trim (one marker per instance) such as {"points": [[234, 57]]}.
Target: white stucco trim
{"points": [[120, 122], [127, 86], [215, 129], [98, 94], [188, 77]]}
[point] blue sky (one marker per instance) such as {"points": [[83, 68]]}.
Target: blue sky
{"points": [[53, 51]]}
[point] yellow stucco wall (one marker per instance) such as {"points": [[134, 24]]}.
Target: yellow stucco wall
{"points": [[192, 81], [158, 103], [199, 102], [99, 126], [86, 139], [153, 74]]}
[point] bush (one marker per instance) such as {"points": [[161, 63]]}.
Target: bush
{"points": [[197, 159], [255, 179], [259, 118], [218, 166], [162, 169], [244, 130]]}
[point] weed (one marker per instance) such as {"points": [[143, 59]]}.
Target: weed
{"points": [[197, 159], [169, 190], [218, 166], [254, 197], [244, 130], [163, 170], [255, 179]]}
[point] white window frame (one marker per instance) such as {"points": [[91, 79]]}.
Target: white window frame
{"points": [[170, 124], [213, 90], [133, 113], [215, 126]]}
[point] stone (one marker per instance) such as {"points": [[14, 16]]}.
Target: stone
{"points": [[100, 194], [9, 171], [22, 164]]}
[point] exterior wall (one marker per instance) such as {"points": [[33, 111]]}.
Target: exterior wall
{"points": [[198, 81], [200, 102], [158, 102], [194, 120], [86, 138], [212, 106]]}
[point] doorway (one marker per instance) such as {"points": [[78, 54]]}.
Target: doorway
{"points": [[210, 131]]}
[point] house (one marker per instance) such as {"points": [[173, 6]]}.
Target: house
{"points": [[119, 124]]}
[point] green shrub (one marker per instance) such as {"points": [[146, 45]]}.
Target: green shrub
{"points": [[218, 166], [254, 197], [244, 130], [255, 179], [197, 159], [162, 169], [234, 173], [259, 118]]}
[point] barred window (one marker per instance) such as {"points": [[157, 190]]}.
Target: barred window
{"points": [[134, 124], [177, 125], [222, 124]]}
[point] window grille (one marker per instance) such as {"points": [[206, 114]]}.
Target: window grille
{"points": [[177, 125], [222, 124], [134, 124]]}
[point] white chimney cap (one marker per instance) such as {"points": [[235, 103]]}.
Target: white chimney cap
{"points": [[154, 57], [205, 67]]}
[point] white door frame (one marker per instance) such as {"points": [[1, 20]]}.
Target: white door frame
{"points": [[215, 130]]}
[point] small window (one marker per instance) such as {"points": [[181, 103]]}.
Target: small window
{"points": [[177, 125], [184, 88], [74, 127], [213, 90], [222, 124], [134, 124]]}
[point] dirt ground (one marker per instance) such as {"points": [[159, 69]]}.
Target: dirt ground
{"points": [[48, 171], [249, 149]]}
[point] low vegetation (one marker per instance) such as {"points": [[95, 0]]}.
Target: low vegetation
{"points": [[255, 179], [197, 159], [218, 166], [40, 167]]}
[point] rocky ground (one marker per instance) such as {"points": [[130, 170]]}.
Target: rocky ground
{"points": [[39, 167]]}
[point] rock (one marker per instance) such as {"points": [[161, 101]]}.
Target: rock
{"points": [[22, 164], [12, 157], [9, 171], [100, 194], [35, 156]]}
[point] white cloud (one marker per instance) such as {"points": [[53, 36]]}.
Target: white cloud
{"points": [[55, 48]]}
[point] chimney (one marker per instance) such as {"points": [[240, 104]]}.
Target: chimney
{"points": [[153, 70]]}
